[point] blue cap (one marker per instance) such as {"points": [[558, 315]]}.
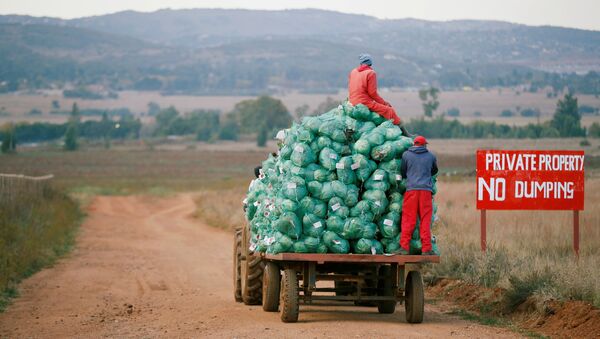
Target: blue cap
{"points": [[365, 59]]}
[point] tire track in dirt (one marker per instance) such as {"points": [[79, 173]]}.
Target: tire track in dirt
{"points": [[143, 267]]}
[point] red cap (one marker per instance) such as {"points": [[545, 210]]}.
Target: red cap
{"points": [[420, 141]]}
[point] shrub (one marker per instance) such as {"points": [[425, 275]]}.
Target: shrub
{"points": [[507, 113]]}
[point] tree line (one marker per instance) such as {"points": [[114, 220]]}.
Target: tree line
{"points": [[265, 115]]}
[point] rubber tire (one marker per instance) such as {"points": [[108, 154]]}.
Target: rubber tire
{"points": [[237, 265], [386, 289], [271, 287], [289, 296], [252, 281], [415, 299]]}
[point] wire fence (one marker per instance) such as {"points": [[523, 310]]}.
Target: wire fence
{"points": [[18, 186]]}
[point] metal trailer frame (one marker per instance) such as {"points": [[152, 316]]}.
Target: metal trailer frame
{"points": [[280, 282], [367, 280]]}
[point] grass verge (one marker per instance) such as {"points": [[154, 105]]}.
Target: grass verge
{"points": [[35, 230]]}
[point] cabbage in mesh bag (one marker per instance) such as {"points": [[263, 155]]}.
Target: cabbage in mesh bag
{"points": [[302, 155], [377, 201], [335, 224], [379, 180], [313, 206], [368, 246], [345, 170], [312, 225], [389, 225], [289, 224], [384, 152], [328, 158], [336, 207], [294, 188], [335, 243]]}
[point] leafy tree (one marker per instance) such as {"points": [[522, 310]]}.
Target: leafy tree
{"points": [[153, 108], [566, 117], [55, 104], [106, 125], [72, 132], [261, 138], [252, 115], [229, 130], [9, 140], [594, 130], [507, 113], [164, 119], [206, 124], [429, 100]]}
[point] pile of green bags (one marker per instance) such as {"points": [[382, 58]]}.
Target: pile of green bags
{"points": [[334, 187]]}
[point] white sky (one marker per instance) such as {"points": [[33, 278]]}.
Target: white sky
{"points": [[569, 13]]}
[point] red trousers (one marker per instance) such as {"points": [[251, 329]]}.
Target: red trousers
{"points": [[416, 203], [385, 111]]}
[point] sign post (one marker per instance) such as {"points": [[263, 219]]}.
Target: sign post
{"points": [[530, 180]]}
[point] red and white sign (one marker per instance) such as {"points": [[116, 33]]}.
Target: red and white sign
{"points": [[530, 180]]}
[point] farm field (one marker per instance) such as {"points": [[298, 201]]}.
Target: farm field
{"points": [[489, 103]]}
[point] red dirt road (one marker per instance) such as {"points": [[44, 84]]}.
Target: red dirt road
{"points": [[144, 268]]}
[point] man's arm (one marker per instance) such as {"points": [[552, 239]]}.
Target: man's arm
{"points": [[434, 168], [372, 88], [403, 167]]}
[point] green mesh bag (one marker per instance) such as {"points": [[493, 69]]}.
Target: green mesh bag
{"points": [[341, 149], [313, 206], [328, 158], [334, 129], [393, 133], [396, 200], [312, 244], [309, 172], [415, 247], [368, 246], [335, 243], [312, 124], [352, 229], [361, 208], [377, 119], [369, 230], [362, 146], [375, 138], [337, 208], [289, 224], [365, 128], [335, 224], [339, 188], [294, 188], [302, 155], [377, 201], [379, 180], [389, 225], [384, 152], [351, 197], [345, 171], [300, 247], [391, 244], [287, 205], [392, 167], [312, 225], [360, 112], [323, 142], [279, 243]]}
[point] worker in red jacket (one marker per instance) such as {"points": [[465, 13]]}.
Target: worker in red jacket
{"points": [[362, 89]]}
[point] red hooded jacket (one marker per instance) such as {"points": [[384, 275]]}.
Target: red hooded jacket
{"points": [[362, 89]]}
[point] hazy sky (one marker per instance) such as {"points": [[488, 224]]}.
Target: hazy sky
{"points": [[569, 13]]}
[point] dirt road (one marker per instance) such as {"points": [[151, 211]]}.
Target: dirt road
{"points": [[144, 268]]}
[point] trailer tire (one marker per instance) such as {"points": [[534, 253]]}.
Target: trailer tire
{"points": [[415, 300], [252, 273], [271, 287], [237, 265], [289, 296], [386, 288]]}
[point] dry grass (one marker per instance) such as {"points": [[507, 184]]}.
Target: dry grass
{"points": [[222, 208], [525, 246], [35, 229]]}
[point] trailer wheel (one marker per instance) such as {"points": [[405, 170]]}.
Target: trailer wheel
{"points": [[386, 289], [414, 300], [289, 296], [252, 273], [237, 265], [271, 287]]}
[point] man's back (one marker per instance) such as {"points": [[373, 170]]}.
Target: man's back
{"points": [[418, 166]]}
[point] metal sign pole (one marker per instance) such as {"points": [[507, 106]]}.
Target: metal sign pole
{"points": [[483, 231], [576, 232]]}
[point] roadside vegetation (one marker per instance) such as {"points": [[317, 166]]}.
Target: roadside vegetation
{"points": [[37, 226], [530, 255]]}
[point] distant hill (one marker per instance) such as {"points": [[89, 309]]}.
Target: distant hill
{"points": [[245, 51]]}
